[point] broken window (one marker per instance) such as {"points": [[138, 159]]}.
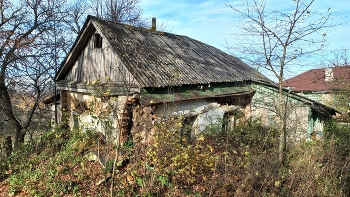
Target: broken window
{"points": [[230, 119], [98, 41], [243, 99], [186, 130]]}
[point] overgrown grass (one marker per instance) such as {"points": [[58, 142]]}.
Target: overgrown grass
{"points": [[51, 166], [241, 162]]}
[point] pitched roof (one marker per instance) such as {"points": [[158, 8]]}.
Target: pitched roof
{"points": [[315, 80], [160, 59]]}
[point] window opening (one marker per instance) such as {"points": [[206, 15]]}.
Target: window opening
{"points": [[231, 119], [98, 41], [228, 121], [187, 127]]}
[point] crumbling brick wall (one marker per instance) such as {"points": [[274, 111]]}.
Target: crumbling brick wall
{"points": [[143, 120]]}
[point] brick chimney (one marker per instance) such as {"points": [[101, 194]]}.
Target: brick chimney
{"points": [[154, 24], [328, 75]]}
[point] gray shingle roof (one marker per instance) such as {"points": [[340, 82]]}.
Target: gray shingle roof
{"points": [[160, 59]]}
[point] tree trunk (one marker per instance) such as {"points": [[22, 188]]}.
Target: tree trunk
{"points": [[19, 137], [283, 129], [8, 146], [6, 108]]}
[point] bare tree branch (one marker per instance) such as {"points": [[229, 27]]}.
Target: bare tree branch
{"points": [[275, 40]]}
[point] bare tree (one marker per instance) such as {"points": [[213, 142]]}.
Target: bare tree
{"points": [[76, 15], [275, 40], [124, 11], [25, 28], [340, 57]]}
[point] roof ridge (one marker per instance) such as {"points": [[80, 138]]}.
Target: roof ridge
{"points": [[317, 69], [138, 28]]}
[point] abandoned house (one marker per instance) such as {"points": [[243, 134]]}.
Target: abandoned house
{"points": [[126, 77]]}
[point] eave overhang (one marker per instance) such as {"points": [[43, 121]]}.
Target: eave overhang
{"points": [[98, 89], [152, 96]]}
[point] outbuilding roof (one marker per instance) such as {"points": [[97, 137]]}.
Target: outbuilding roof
{"points": [[317, 79]]}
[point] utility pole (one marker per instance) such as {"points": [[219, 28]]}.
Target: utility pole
{"points": [[55, 62]]}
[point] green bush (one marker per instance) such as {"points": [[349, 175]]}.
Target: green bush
{"points": [[339, 134], [39, 168], [238, 162]]}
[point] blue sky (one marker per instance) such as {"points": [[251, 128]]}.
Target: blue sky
{"points": [[211, 22]]}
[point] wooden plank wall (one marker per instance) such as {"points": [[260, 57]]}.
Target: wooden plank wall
{"points": [[99, 64]]}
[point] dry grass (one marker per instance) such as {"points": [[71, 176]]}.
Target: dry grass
{"points": [[235, 163]]}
